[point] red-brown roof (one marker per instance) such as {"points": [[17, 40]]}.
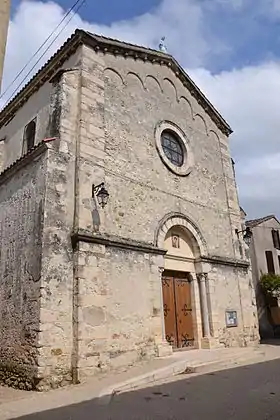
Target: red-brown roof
{"points": [[255, 222]]}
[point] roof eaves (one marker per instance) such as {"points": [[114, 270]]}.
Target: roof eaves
{"points": [[100, 39], [256, 222], [112, 45], [23, 160], [116, 47], [207, 103], [41, 77]]}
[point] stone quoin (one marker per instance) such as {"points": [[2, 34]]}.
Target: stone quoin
{"points": [[87, 287]]}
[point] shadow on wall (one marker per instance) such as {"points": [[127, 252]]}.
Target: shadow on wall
{"points": [[266, 329]]}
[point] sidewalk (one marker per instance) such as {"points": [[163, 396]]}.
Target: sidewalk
{"points": [[17, 403]]}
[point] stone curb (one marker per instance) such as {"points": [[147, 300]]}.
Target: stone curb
{"points": [[175, 368], [155, 376], [178, 368]]}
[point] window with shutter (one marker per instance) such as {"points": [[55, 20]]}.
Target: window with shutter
{"points": [[269, 262]]}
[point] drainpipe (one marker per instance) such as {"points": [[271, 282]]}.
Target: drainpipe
{"points": [[75, 285], [76, 292]]}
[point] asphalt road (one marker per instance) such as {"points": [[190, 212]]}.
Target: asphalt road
{"points": [[245, 393]]}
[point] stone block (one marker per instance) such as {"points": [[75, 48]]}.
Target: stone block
{"points": [[163, 350], [117, 290]]}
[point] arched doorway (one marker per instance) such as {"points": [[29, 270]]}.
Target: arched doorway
{"points": [[177, 287]]}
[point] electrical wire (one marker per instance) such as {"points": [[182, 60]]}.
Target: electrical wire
{"points": [[45, 51], [38, 50]]}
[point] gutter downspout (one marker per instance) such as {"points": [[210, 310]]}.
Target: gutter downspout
{"points": [[75, 285]]}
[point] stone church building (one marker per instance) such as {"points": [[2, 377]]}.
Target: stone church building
{"points": [[120, 227]]}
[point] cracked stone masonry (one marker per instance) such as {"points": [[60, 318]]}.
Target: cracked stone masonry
{"points": [[84, 287]]}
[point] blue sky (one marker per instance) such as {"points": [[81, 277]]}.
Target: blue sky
{"points": [[108, 11], [252, 36], [231, 48]]}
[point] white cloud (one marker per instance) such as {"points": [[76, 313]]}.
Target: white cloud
{"points": [[181, 21], [247, 97]]}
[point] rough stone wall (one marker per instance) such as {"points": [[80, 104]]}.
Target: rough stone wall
{"points": [[122, 101], [53, 296], [112, 329], [38, 106], [139, 95], [56, 331], [119, 307], [104, 114], [231, 289], [21, 222]]}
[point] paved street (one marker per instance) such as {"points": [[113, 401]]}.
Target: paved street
{"points": [[250, 392]]}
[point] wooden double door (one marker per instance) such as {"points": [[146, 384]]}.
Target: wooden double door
{"points": [[177, 309]]}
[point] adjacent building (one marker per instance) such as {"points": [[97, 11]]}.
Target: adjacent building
{"points": [[265, 257], [121, 232]]}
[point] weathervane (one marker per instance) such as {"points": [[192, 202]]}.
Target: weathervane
{"points": [[162, 46]]}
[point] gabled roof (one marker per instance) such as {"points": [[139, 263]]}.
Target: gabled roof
{"points": [[255, 222], [22, 160], [242, 211], [113, 46]]}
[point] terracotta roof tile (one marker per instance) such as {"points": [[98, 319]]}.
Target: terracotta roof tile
{"points": [[23, 157], [255, 222]]}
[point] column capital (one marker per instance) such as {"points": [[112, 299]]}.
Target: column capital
{"points": [[190, 277], [202, 277], [161, 270]]}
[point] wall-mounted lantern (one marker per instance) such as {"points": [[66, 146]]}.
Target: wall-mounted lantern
{"points": [[247, 235], [101, 194]]}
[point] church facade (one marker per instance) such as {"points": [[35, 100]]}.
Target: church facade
{"points": [[119, 217]]}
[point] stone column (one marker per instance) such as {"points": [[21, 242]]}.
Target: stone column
{"points": [[204, 305], [161, 270]]}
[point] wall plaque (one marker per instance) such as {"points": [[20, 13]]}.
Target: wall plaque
{"points": [[231, 319]]}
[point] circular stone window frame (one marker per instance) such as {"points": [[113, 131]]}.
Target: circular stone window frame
{"points": [[188, 161]]}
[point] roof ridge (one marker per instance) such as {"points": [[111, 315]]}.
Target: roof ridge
{"points": [[31, 152], [116, 47], [142, 47], [256, 222]]}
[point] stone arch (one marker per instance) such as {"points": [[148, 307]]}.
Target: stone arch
{"points": [[131, 76], [184, 100], [152, 82], [179, 219], [214, 134], [112, 74], [201, 123], [170, 89]]}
